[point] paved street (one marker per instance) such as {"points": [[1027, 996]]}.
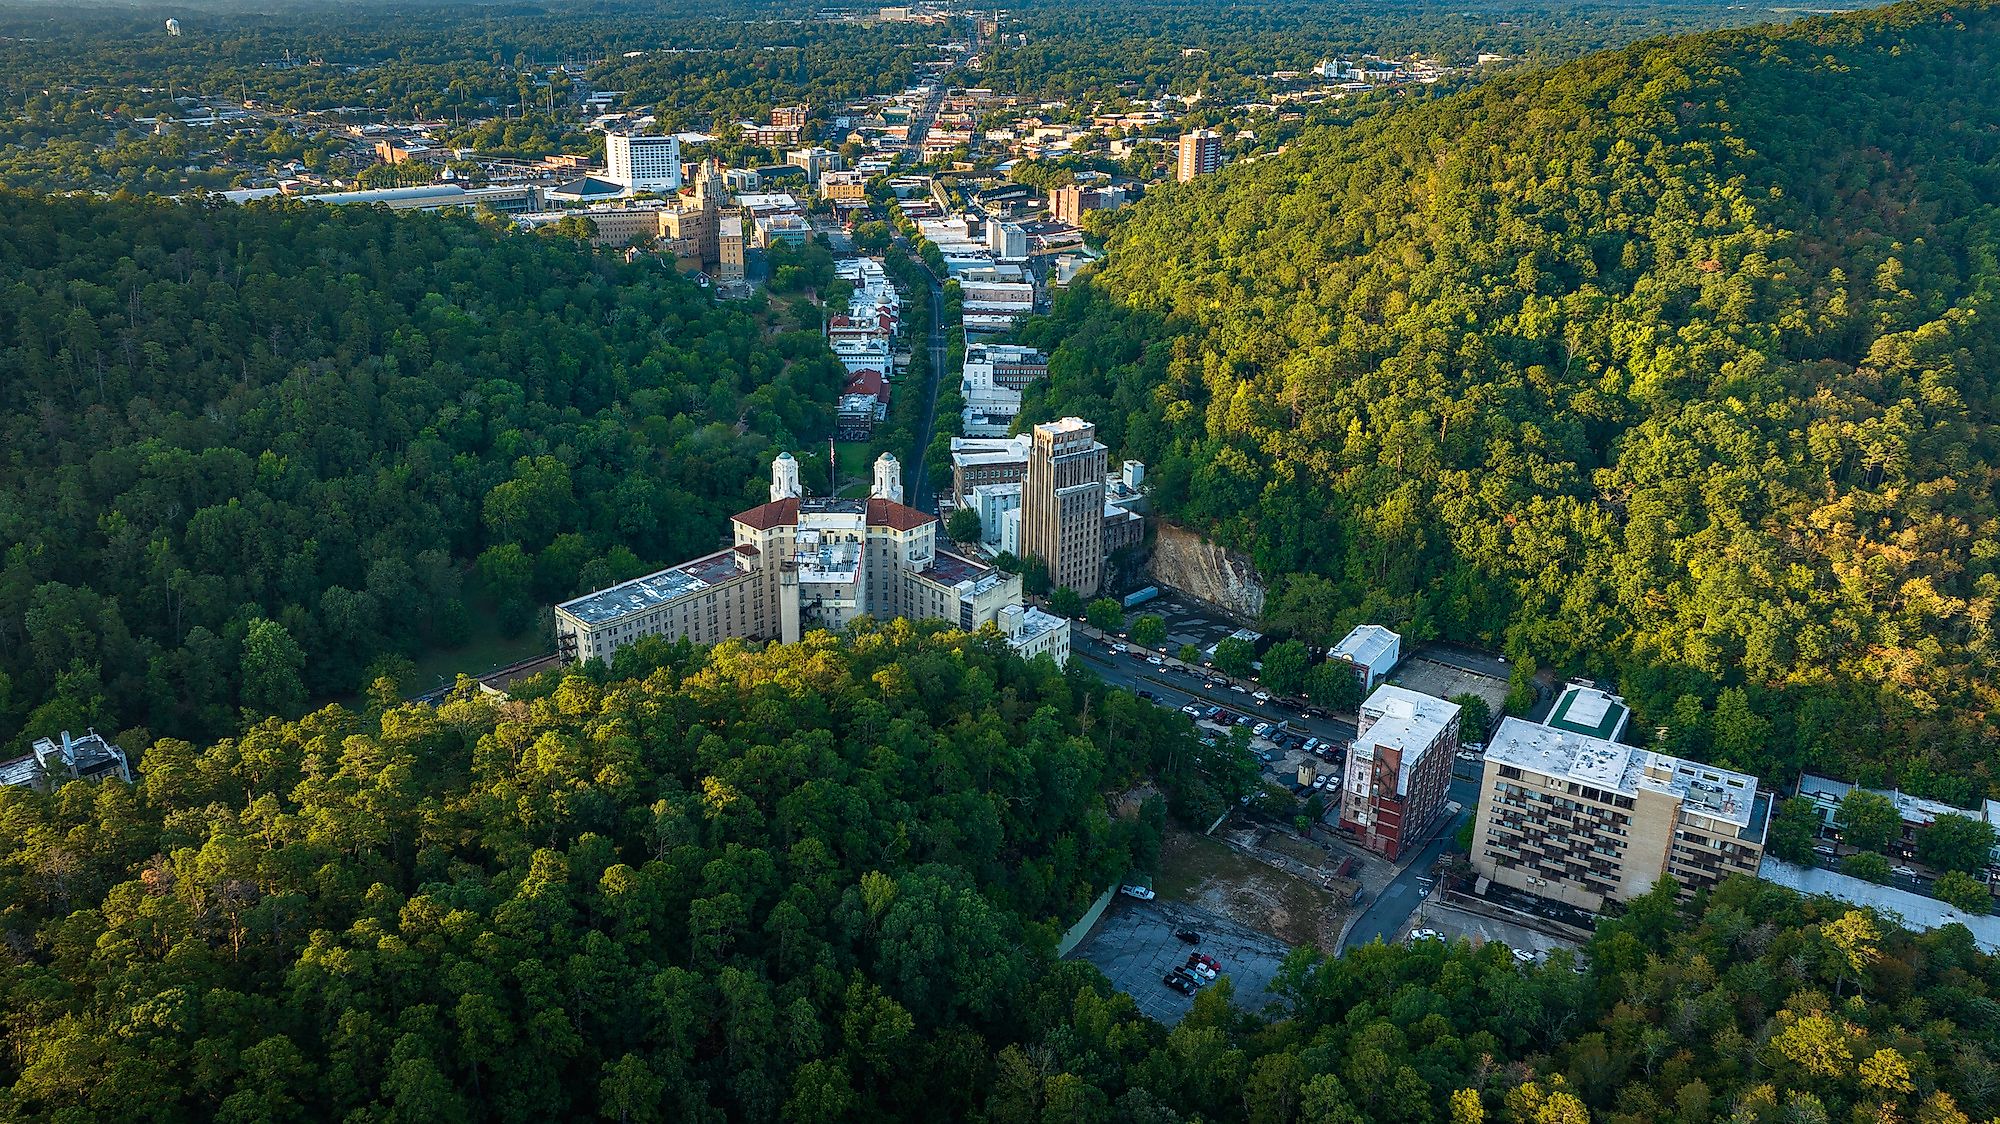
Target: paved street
{"points": [[1131, 672], [1388, 916]]}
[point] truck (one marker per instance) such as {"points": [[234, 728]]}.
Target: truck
{"points": [[1134, 600]]}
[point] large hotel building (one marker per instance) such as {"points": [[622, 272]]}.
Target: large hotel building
{"points": [[1062, 503], [805, 562], [1565, 813]]}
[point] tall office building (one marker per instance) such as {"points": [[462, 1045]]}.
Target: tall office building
{"points": [[1201, 153], [1062, 503], [643, 163]]}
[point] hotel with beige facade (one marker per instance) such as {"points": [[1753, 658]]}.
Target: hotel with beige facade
{"points": [[799, 563], [1583, 820]]}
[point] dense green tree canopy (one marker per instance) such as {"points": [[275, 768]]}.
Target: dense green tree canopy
{"points": [[1673, 365], [246, 450], [824, 882]]}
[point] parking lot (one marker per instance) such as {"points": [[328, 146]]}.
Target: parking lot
{"points": [[1135, 946], [1459, 924], [1444, 681]]}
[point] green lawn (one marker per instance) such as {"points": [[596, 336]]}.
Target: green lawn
{"points": [[857, 462], [486, 650]]}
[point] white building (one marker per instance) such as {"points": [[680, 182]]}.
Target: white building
{"points": [[797, 563], [51, 763], [1007, 241], [1399, 768], [643, 163], [994, 502], [1372, 651], [1033, 632]]}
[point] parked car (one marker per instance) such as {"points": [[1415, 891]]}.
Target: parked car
{"points": [[1212, 713], [1190, 711], [1205, 958], [1156, 661], [1119, 649], [1523, 956], [1201, 971], [1426, 935], [1262, 696], [1179, 983], [1187, 935], [1239, 688], [1140, 892], [1145, 694], [1319, 783], [1902, 872], [1244, 720], [1261, 729]]}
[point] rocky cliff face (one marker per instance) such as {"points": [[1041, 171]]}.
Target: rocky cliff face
{"points": [[1224, 578]]}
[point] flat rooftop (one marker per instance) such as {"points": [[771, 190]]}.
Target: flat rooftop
{"points": [[1584, 709], [947, 568], [653, 590], [1567, 755], [1369, 645]]}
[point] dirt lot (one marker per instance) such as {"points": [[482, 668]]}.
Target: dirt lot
{"points": [[1205, 873]]}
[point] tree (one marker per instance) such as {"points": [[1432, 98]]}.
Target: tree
{"points": [[272, 670], [1188, 654], [1334, 685], [1871, 866], [1475, 717], [1815, 1042], [1105, 615], [1521, 692], [1868, 820], [1957, 843], [1285, 667], [1856, 942], [1962, 891], [1065, 602], [1149, 631], [1794, 829], [1233, 656], [964, 525]]}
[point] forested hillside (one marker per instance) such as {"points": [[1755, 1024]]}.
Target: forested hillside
{"points": [[822, 883], [1676, 364], [244, 452]]}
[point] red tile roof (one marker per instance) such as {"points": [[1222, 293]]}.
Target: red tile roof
{"points": [[888, 513], [763, 517]]}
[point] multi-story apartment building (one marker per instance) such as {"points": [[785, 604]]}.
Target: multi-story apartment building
{"points": [[791, 116], [1068, 204], [643, 163], [1582, 820], [1062, 503], [798, 563], [1399, 768], [1010, 365], [1200, 154], [987, 460]]}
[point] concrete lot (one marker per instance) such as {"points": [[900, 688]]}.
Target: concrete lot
{"points": [[1188, 622], [1460, 924], [1445, 681], [1134, 944]]}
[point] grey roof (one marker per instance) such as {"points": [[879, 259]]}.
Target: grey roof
{"points": [[639, 594], [1369, 645], [1708, 790]]}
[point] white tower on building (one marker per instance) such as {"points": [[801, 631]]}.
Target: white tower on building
{"points": [[888, 479], [784, 478], [643, 163]]}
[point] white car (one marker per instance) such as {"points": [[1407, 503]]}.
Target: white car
{"points": [[1319, 782], [1262, 696], [1523, 956], [1261, 729], [1119, 649], [1156, 661], [1139, 892], [1238, 688], [1902, 872], [1190, 711], [1426, 935]]}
